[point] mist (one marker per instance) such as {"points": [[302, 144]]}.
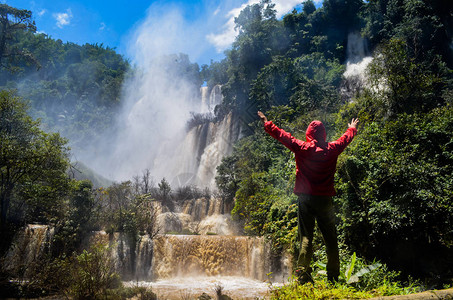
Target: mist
{"points": [[158, 100]]}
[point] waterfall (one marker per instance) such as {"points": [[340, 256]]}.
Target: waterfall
{"points": [[166, 125], [220, 139], [174, 263], [200, 216], [215, 251], [186, 255], [210, 100], [358, 61], [193, 160], [28, 248]]}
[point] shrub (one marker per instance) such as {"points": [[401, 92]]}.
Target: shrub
{"points": [[395, 193]]}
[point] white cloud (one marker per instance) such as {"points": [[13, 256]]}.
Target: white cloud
{"points": [[42, 12], [285, 6], [224, 39], [63, 19], [102, 27]]}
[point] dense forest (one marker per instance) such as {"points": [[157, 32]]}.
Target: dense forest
{"points": [[394, 183]]}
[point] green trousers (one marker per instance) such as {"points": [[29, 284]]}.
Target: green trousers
{"points": [[319, 208]]}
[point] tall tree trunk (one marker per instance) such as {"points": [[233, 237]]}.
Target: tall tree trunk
{"points": [[4, 21], [5, 200]]}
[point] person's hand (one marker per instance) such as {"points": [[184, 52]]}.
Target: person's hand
{"points": [[262, 117], [353, 123]]}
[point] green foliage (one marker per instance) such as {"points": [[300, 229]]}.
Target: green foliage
{"points": [[164, 189], [214, 73], [400, 84], [323, 30], [424, 25], [78, 221], [76, 90], [324, 71], [275, 83], [94, 273], [395, 189], [358, 279], [33, 166], [130, 209], [88, 275], [355, 271], [253, 201], [116, 201], [14, 20], [322, 290], [376, 280], [284, 82], [281, 228], [260, 37]]}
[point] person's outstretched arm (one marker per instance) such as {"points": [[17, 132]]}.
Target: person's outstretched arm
{"points": [[347, 137], [353, 123], [262, 117], [280, 135]]}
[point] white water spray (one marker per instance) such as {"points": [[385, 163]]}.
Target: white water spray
{"points": [[159, 100], [358, 61]]}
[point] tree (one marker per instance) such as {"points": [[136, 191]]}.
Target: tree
{"points": [[147, 181], [119, 198], [400, 84], [300, 29], [146, 215], [395, 192], [12, 20], [215, 73], [33, 163], [425, 26], [260, 37], [164, 189], [79, 219]]}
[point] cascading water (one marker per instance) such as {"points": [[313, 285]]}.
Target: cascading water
{"points": [[28, 248], [210, 100], [185, 255], [358, 61], [193, 160], [172, 263]]}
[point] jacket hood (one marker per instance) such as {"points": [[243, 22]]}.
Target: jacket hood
{"points": [[316, 132]]}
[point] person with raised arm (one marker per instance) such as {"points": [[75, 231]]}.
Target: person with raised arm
{"points": [[316, 162]]}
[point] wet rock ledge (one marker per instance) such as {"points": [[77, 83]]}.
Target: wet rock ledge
{"points": [[435, 294]]}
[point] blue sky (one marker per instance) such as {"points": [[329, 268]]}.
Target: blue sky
{"points": [[203, 29]]}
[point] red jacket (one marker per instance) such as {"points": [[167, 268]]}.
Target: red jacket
{"points": [[316, 159]]}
